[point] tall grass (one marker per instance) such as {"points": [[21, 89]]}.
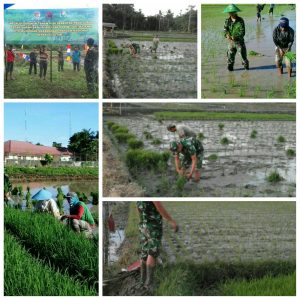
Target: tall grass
{"points": [[55, 243], [28, 276]]}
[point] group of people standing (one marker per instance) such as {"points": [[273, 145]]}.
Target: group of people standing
{"points": [[40, 55], [234, 32]]}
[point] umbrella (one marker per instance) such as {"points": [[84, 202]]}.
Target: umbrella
{"points": [[43, 194]]}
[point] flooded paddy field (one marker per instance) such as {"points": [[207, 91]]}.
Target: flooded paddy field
{"points": [[169, 73], [262, 80], [240, 169], [232, 231]]}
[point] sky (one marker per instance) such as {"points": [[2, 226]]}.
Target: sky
{"points": [[48, 122], [150, 9]]}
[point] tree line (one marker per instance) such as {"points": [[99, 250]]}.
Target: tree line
{"points": [[127, 18]]}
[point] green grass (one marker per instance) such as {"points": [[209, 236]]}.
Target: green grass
{"points": [[224, 116], [139, 159], [52, 171], [187, 278], [67, 84], [25, 275], [274, 177], [55, 243], [284, 285], [290, 152], [281, 139]]}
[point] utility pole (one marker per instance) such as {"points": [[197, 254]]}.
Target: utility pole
{"points": [[190, 16]]}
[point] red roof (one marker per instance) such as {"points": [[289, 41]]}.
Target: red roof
{"points": [[26, 148]]}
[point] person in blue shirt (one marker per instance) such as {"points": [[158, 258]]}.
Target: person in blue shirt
{"points": [[76, 59]]}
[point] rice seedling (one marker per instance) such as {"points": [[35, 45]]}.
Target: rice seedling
{"points": [[221, 126], [123, 137], [25, 275], [180, 183], [201, 136], [290, 152], [274, 177], [148, 135], [138, 159], [156, 141], [224, 141], [133, 143], [213, 157], [281, 139], [55, 243], [253, 134]]}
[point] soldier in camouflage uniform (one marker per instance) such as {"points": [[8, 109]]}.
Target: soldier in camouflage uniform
{"points": [[234, 31], [189, 153], [90, 66], [151, 230]]}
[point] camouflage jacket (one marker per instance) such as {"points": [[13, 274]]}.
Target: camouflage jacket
{"points": [[91, 59], [149, 216], [191, 146], [235, 29]]}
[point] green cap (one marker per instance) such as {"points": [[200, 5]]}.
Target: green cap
{"points": [[231, 9]]}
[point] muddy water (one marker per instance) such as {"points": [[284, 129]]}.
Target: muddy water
{"points": [[241, 167], [232, 231], [67, 186], [170, 73], [261, 81]]}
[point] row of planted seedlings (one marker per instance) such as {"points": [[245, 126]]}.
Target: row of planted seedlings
{"points": [[136, 157], [19, 196], [279, 142], [55, 246]]}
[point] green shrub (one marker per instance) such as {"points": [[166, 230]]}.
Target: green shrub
{"points": [[25, 275], [290, 152], [281, 139], [213, 157], [138, 159], [224, 141], [133, 143], [274, 177], [124, 137]]}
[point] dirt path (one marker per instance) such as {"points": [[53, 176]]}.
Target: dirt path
{"points": [[116, 179]]}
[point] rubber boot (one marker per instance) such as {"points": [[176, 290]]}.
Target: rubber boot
{"points": [[230, 68], [143, 271], [149, 279], [289, 71]]}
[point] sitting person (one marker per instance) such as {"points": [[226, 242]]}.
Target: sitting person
{"points": [[80, 217]]}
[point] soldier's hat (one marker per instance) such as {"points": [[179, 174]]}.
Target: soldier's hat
{"points": [[231, 9], [284, 22]]}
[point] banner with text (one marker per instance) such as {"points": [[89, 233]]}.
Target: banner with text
{"points": [[50, 26]]}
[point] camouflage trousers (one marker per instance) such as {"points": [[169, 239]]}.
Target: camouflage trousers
{"points": [[150, 240], [91, 79], [233, 48], [279, 58], [186, 162]]}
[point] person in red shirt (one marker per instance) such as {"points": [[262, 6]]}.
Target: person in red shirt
{"points": [[10, 58]]}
